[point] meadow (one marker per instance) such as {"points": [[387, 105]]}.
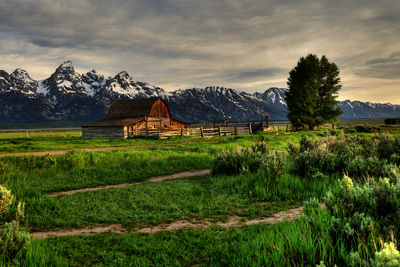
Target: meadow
{"points": [[253, 176]]}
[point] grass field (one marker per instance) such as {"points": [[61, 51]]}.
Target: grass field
{"points": [[214, 198]]}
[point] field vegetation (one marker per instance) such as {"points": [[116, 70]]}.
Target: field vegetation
{"points": [[353, 172]]}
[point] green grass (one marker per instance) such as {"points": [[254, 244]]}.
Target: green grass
{"points": [[210, 197], [146, 204], [67, 141], [19, 142], [26, 177], [283, 244]]}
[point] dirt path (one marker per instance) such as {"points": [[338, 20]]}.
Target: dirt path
{"points": [[156, 179], [90, 149], [93, 149], [113, 228], [233, 221]]}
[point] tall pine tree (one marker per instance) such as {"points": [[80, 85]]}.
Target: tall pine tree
{"points": [[313, 87]]}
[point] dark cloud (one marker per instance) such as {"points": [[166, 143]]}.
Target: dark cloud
{"points": [[191, 42]]}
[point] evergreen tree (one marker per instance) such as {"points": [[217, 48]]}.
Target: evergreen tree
{"points": [[313, 87]]}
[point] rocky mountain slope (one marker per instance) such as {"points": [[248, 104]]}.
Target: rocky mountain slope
{"points": [[69, 96]]}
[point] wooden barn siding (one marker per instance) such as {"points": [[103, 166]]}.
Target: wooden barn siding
{"points": [[178, 125], [159, 109], [103, 132]]}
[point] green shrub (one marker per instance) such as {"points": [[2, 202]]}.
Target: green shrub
{"points": [[12, 238], [2, 167], [350, 131], [388, 147], [273, 165], [6, 198], [367, 129], [28, 161], [234, 161], [360, 218], [46, 161], [251, 159], [355, 155], [389, 256]]}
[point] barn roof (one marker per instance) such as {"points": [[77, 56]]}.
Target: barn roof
{"points": [[138, 108], [112, 122], [126, 112]]}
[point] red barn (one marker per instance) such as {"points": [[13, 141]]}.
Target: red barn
{"points": [[135, 116]]}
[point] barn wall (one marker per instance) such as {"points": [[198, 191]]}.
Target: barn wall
{"points": [[103, 132], [178, 124], [160, 109]]}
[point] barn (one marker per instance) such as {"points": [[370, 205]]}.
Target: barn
{"points": [[133, 117]]}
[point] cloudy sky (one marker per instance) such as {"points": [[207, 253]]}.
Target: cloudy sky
{"points": [[249, 45]]}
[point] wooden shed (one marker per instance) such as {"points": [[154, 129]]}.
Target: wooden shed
{"points": [[133, 117]]}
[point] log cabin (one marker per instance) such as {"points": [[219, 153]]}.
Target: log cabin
{"points": [[131, 117]]}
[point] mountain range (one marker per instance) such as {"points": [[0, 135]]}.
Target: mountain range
{"points": [[69, 96]]}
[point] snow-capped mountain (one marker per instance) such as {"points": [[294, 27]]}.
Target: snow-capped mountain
{"points": [[216, 103], [69, 96], [357, 109]]}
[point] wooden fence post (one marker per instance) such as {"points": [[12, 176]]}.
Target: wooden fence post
{"points": [[181, 132], [219, 131], [201, 131], [287, 127], [236, 130], [250, 130], [159, 130], [333, 126], [146, 125]]}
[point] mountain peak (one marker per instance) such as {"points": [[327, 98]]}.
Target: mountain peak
{"points": [[66, 64], [123, 75], [20, 74]]}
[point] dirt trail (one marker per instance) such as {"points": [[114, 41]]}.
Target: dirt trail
{"points": [[233, 221], [185, 174], [61, 152], [93, 149], [113, 228]]}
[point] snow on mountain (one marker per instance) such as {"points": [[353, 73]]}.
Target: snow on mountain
{"points": [[273, 95], [217, 103], [69, 96]]}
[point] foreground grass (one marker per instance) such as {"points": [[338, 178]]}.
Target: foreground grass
{"points": [[283, 244], [211, 197], [146, 204], [30, 177], [156, 203]]}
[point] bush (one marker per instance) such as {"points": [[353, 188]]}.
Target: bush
{"points": [[355, 155], [5, 199], [367, 129], [2, 167], [245, 160], [273, 165], [360, 218], [12, 238], [389, 256]]}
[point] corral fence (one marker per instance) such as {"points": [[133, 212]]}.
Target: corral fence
{"points": [[193, 131], [214, 128]]}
